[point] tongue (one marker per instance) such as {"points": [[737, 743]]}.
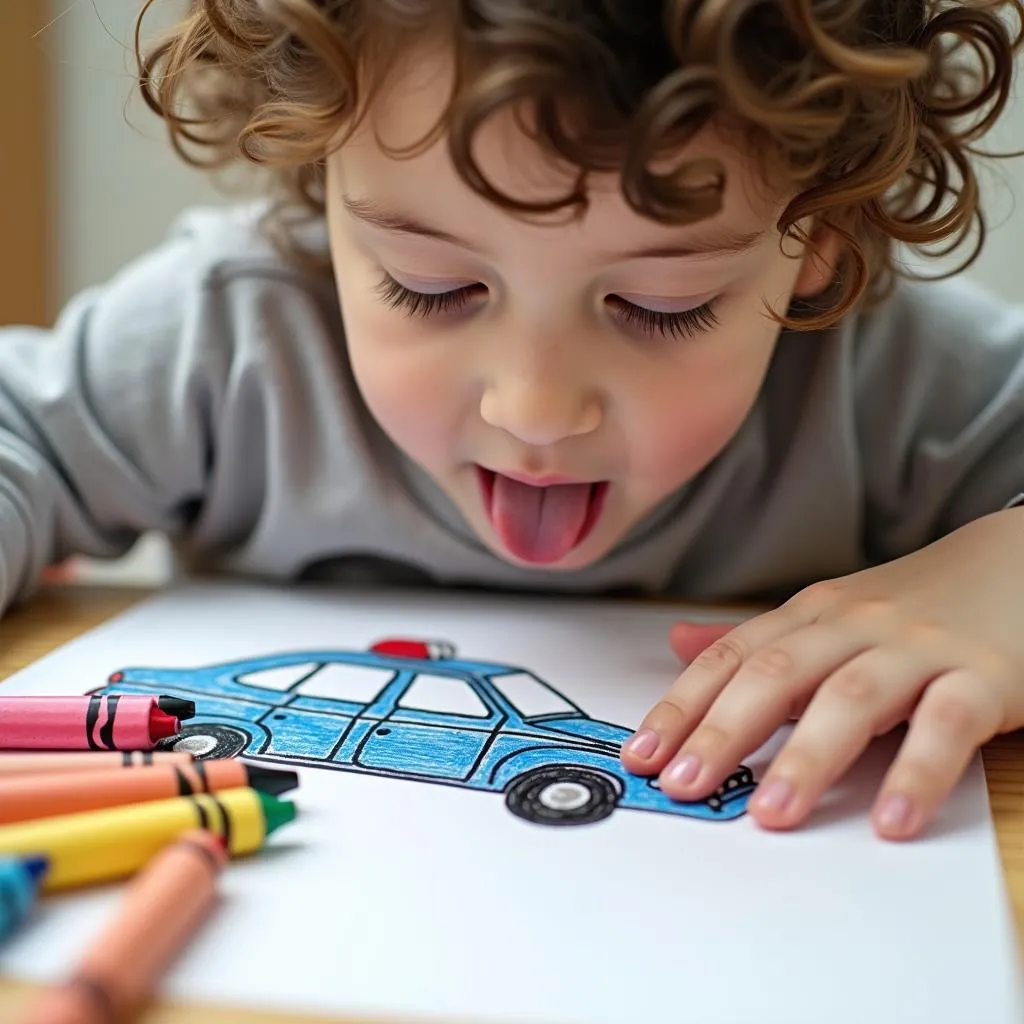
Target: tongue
{"points": [[539, 524]]}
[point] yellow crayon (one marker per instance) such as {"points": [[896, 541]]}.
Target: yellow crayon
{"points": [[111, 844]]}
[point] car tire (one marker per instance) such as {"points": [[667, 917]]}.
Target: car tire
{"points": [[562, 796], [206, 742]]}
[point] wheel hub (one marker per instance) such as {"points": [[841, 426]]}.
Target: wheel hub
{"points": [[197, 746], [564, 796]]}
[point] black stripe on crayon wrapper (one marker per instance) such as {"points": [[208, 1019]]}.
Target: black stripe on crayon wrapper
{"points": [[200, 770], [92, 715], [107, 732], [184, 786], [97, 994], [127, 759], [147, 757], [204, 818], [227, 822]]}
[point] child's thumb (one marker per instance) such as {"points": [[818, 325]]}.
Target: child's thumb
{"points": [[688, 639]]}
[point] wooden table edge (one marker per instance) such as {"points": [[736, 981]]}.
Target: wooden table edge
{"points": [[79, 608]]}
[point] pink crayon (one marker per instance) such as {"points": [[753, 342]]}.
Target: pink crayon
{"points": [[125, 722]]}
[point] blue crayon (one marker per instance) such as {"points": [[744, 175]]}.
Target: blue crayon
{"points": [[19, 886]]}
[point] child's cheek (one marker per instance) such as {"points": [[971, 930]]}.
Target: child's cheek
{"points": [[687, 421], [411, 385]]}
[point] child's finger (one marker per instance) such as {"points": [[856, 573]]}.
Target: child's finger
{"points": [[688, 639], [852, 706], [754, 704], [959, 712], [674, 718]]}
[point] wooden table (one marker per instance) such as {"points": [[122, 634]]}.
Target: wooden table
{"points": [[61, 613]]}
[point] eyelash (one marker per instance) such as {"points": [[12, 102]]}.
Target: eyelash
{"points": [[423, 304], [686, 323], [682, 324]]}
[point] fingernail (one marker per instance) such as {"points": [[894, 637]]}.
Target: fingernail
{"points": [[685, 770], [643, 744], [773, 795], [894, 813]]}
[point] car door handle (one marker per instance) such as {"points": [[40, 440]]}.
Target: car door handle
{"points": [[383, 732]]}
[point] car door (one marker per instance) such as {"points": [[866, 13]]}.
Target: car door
{"points": [[437, 728], [313, 724]]}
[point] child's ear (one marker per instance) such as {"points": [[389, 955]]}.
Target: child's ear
{"points": [[820, 263]]}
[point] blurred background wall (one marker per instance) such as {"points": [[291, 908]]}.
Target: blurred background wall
{"points": [[116, 186], [119, 185]]}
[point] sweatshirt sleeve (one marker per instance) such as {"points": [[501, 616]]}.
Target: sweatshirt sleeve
{"points": [[109, 420], [940, 413]]}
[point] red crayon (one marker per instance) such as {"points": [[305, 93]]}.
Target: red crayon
{"points": [[124, 722]]}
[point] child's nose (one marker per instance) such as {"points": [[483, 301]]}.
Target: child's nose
{"points": [[537, 412]]}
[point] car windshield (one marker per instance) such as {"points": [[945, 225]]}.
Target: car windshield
{"points": [[532, 698]]}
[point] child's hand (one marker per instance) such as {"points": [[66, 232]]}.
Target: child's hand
{"points": [[936, 638]]}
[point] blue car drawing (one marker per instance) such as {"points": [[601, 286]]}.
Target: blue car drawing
{"points": [[410, 709]]}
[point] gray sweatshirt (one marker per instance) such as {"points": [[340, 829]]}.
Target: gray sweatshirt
{"points": [[205, 392]]}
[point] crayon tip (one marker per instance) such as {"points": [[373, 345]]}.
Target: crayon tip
{"points": [[162, 726], [271, 780], [276, 812], [35, 867], [177, 707]]}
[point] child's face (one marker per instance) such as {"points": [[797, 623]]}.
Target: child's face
{"points": [[559, 379]]}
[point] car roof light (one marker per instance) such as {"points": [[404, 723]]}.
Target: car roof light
{"points": [[427, 650]]}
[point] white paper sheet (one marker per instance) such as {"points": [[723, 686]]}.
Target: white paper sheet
{"points": [[408, 900]]}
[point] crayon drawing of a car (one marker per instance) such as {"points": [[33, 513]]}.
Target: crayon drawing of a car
{"points": [[411, 709]]}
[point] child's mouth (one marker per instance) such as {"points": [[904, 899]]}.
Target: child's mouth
{"points": [[540, 524]]}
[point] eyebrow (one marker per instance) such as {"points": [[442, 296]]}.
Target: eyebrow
{"points": [[714, 243]]}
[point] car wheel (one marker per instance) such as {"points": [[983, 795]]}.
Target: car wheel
{"points": [[562, 796], [206, 742]]}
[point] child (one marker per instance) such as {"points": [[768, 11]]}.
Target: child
{"points": [[581, 297]]}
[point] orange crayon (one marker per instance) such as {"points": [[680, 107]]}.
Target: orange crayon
{"points": [[45, 796], [30, 763], [165, 904]]}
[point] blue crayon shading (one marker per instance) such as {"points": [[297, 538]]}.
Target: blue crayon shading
{"points": [[19, 887]]}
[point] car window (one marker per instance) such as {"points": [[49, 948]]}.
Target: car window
{"points": [[532, 698], [444, 695], [340, 680], [277, 677]]}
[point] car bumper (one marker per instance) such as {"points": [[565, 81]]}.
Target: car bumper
{"points": [[729, 801]]}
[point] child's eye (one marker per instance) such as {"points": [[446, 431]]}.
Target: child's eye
{"points": [[425, 304], [684, 323]]}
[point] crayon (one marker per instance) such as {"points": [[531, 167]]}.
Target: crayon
{"points": [[19, 886], [32, 763], [46, 796], [163, 907], [128, 722], [112, 844]]}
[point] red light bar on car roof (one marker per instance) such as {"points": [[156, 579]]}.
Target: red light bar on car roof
{"points": [[430, 650]]}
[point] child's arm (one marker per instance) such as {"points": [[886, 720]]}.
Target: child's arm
{"points": [[110, 423], [933, 635]]}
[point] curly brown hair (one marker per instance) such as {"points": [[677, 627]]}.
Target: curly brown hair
{"points": [[871, 109]]}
